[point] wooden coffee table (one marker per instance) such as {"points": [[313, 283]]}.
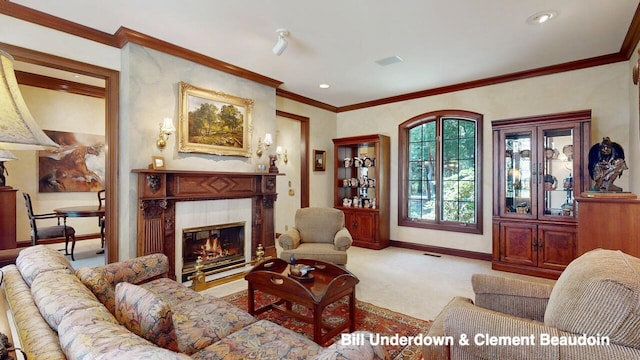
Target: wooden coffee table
{"points": [[330, 283]]}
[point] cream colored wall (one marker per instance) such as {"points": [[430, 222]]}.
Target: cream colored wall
{"points": [[632, 152], [288, 136], [148, 94], [603, 89], [322, 128], [54, 110]]}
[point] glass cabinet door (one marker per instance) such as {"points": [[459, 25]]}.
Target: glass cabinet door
{"points": [[556, 161], [519, 175]]}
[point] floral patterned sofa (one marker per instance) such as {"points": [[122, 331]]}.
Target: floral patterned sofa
{"points": [[131, 310]]}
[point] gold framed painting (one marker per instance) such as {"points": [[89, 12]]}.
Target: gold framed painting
{"points": [[212, 122]]}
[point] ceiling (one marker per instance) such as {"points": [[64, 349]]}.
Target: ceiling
{"points": [[441, 42]]}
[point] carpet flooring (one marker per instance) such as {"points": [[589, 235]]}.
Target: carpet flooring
{"points": [[368, 317]]}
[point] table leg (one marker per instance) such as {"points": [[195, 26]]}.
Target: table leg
{"points": [[317, 324], [352, 311], [66, 238], [251, 306]]}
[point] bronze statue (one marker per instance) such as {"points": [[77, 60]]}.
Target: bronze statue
{"points": [[606, 164]]}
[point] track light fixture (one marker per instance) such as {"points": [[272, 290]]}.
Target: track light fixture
{"points": [[282, 41]]}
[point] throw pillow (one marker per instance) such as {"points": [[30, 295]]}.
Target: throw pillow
{"points": [[145, 314]]}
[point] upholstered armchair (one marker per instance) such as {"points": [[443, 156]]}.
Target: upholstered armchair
{"points": [[596, 297], [319, 233]]}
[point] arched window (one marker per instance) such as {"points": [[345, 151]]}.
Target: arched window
{"points": [[440, 171]]}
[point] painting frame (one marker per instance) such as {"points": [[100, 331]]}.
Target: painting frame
{"points": [[319, 160], [222, 136]]}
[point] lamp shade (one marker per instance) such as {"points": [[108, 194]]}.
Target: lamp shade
{"points": [[6, 155], [18, 129], [167, 126]]}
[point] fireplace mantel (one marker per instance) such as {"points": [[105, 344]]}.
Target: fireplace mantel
{"points": [[159, 190]]}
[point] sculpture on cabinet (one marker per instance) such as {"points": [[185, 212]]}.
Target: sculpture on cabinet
{"points": [[606, 164]]}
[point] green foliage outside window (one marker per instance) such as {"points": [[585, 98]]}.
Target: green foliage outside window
{"points": [[441, 183]]}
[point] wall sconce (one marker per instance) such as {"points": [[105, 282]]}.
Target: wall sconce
{"points": [[166, 129], [280, 154], [264, 144]]}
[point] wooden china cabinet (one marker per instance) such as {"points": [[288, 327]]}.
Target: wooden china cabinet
{"points": [[361, 187], [540, 164]]}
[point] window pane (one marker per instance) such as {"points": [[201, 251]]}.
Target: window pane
{"points": [[441, 184]]}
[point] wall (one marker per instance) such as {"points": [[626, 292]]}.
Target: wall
{"points": [[603, 89], [287, 136], [149, 93], [632, 151], [60, 111], [322, 128]]}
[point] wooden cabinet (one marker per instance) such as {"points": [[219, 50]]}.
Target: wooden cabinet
{"points": [[609, 221], [7, 218], [361, 187], [540, 164]]}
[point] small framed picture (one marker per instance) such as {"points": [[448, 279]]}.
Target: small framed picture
{"points": [[319, 160], [157, 163]]}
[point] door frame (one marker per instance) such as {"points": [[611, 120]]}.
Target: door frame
{"points": [[112, 105], [304, 154]]}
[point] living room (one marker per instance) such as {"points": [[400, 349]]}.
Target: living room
{"points": [[148, 92]]}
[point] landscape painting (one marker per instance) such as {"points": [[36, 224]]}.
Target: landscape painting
{"points": [[213, 122], [78, 165]]}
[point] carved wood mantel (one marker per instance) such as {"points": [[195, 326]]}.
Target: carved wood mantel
{"points": [[159, 190]]}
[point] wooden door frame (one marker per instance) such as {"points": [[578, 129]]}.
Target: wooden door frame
{"points": [[304, 154], [112, 105]]}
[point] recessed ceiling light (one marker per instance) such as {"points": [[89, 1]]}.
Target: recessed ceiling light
{"points": [[324, 86], [541, 17]]}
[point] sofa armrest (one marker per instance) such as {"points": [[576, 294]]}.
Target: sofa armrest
{"points": [[357, 351], [290, 239], [481, 326], [342, 240], [520, 298], [102, 280]]}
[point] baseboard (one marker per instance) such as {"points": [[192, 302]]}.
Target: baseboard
{"points": [[441, 250]]}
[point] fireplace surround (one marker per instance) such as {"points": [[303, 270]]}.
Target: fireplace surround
{"points": [[159, 190]]}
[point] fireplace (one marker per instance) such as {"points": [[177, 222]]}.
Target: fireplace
{"points": [[161, 192], [219, 246]]}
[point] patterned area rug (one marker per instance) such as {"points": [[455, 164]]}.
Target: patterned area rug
{"points": [[368, 317]]}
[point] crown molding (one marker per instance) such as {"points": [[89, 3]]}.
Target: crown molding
{"points": [[125, 35]]}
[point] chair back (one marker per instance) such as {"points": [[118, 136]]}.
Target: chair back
{"points": [[32, 217], [318, 225], [101, 197]]}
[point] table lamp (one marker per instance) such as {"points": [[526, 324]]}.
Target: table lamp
{"points": [[18, 129], [5, 156]]}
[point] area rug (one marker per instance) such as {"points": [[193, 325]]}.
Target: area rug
{"points": [[368, 317]]}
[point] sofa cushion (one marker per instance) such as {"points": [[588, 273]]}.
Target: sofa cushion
{"points": [[261, 340], [318, 225], [87, 335], [58, 293], [598, 294], [204, 320], [145, 314], [171, 291], [35, 336], [30, 262], [102, 280]]}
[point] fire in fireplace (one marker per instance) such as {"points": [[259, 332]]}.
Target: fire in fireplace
{"points": [[219, 246]]}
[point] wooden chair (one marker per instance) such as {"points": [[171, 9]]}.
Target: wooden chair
{"points": [[49, 232], [101, 222]]}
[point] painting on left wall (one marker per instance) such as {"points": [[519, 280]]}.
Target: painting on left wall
{"points": [[78, 165]]}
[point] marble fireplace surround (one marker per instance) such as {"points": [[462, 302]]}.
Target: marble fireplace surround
{"points": [[159, 190]]}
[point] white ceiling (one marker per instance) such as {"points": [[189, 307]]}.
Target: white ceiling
{"points": [[442, 42]]}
